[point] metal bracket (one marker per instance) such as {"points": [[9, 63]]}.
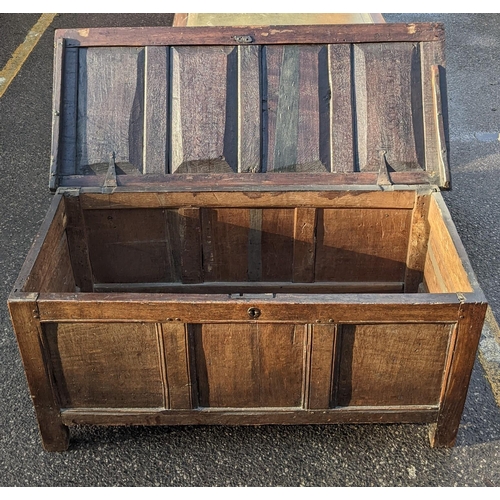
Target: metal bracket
{"points": [[243, 38], [110, 179], [383, 179]]}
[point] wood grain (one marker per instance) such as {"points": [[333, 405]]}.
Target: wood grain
{"points": [[110, 108], [388, 106], [339, 33], [30, 339], [191, 245], [304, 245], [391, 365], [127, 245], [296, 94], [471, 318], [360, 245], [204, 109], [105, 365], [249, 366], [156, 110]]}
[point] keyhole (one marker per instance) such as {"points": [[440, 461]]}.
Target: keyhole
{"points": [[253, 312]]}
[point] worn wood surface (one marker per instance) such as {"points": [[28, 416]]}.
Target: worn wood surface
{"points": [[249, 365], [391, 364], [105, 365], [30, 339], [284, 416], [306, 104], [470, 321], [340, 33]]}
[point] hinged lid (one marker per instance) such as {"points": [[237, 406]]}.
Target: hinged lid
{"points": [[339, 104]]}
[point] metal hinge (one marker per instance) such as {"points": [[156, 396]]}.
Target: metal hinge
{"points": [[110, 179]]}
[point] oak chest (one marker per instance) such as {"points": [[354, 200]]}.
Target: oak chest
{"points": [[247, 228]]}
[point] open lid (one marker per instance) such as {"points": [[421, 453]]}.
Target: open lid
{"points": [[324, 104]]}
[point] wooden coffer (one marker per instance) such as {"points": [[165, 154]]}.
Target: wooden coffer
{"points": [[248, 228]]}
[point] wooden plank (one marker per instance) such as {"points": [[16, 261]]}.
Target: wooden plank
{"points": [[191, 245], [471, 318], [304, 245], [263, 181], [178, 366], [59, 277], [105, 365], [243, 199], [339, 33], [56, 110], [55, 435], [362, 245], [127, 245], [432, 53], [261, 287], [391, 364], [204, 109], [388, 106], [193, 308], [341, 109], [322, 356], [41, 258], [433, 279], [293, 79], [416, 414], [277, 244], [156, 110], [225, 236], [249, 365], [255, 245], [173, 249], [180, 20], [249, 109], [446, 250], [110, 109], [77, 242], [417, 246]]}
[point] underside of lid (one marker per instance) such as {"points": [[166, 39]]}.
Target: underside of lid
{"points": [[359, 102]]}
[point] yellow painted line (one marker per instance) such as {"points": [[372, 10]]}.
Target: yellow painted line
{"points": [[14, 64]]}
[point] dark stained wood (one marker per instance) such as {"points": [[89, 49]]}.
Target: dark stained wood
{"points": [[127, 245], [417, 245], [191, 245], [255, 245], [471, 317], [277, 241], [295, 95], [43, 255], [358, 245], [339, 33], [249, 109], [213, 195], [110, 108], [284, 308], [388, 106], [77, 242], [249, 365], [156, 110], [105, 365], [343, 154], [384, 365], [178, 365], [253, 287], [322, 357], [205, 416], [55, 435], [225, 244], [204, 110], [304, 245]]}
